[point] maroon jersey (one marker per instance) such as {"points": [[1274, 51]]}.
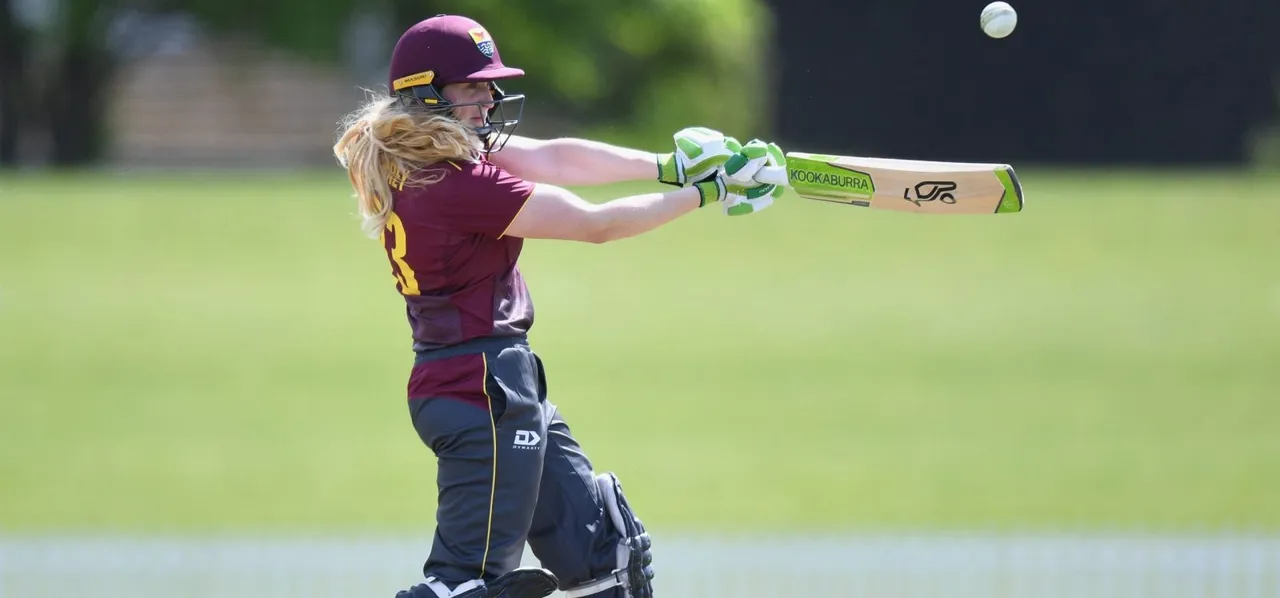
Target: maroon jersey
{"points": [[452, 260]]}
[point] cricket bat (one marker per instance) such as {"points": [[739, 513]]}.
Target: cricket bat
{"points": [[902, 185]]}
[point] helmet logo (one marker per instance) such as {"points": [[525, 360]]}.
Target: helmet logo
{"points": [[423, 78], [483, 41]]}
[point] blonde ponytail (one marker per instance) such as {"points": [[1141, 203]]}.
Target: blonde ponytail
{"points": [[385, 143]]}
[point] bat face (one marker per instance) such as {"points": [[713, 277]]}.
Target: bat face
{"points": [[906, 185]]}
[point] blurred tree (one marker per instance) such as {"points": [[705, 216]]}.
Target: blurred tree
{"points": [[74, 94], [14, 43], [633, 70], [53, 77], [636, 69]]}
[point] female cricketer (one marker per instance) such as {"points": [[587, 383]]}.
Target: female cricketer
{"points": [[452, 194]]}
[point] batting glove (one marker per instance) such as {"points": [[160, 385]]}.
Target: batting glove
{"points": [[740, 171], [700, 152], [739, 196]]}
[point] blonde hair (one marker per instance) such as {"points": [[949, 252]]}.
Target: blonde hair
{"points": [[385, 143]]}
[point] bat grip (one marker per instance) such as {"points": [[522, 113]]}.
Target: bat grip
{"points": [[773, 175]]}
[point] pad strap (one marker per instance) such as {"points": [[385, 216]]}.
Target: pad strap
{"points": [[443, 591], [591, 588]]}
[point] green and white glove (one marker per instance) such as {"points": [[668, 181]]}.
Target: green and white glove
{"points": [[738, 200], [740, 171], [700, 152], [734, 186]]}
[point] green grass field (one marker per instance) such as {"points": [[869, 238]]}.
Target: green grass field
{"points": [[226, 352]]}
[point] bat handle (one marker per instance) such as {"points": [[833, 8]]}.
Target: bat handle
{"points": [[773, 175]]}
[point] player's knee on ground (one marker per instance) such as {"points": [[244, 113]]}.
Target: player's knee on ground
{"points": [[633, 575], [524, 582]]}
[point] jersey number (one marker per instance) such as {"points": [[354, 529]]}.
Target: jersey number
{"points": [[405, 280]]}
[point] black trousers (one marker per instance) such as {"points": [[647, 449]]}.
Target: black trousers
{"points": [[509, 470]]}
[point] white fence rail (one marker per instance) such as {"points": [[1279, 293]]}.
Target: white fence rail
{"points": [[897, 566]]}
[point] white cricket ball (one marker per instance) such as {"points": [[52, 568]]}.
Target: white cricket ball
{"points": [[999, 19]]}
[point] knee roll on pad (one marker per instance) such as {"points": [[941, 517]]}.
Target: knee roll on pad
{"points": [[634, 572], [524, 582]]}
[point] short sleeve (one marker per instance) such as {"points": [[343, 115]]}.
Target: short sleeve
{"points": [[479, 198]]}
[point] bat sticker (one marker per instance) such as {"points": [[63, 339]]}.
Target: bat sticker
{"points": [[931, 191]]}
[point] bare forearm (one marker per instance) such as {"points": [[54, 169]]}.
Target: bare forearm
{"points": [[585, 162], [637, 214]]}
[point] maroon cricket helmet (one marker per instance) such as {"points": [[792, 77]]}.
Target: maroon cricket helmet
{"points": [[448, 49]]}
